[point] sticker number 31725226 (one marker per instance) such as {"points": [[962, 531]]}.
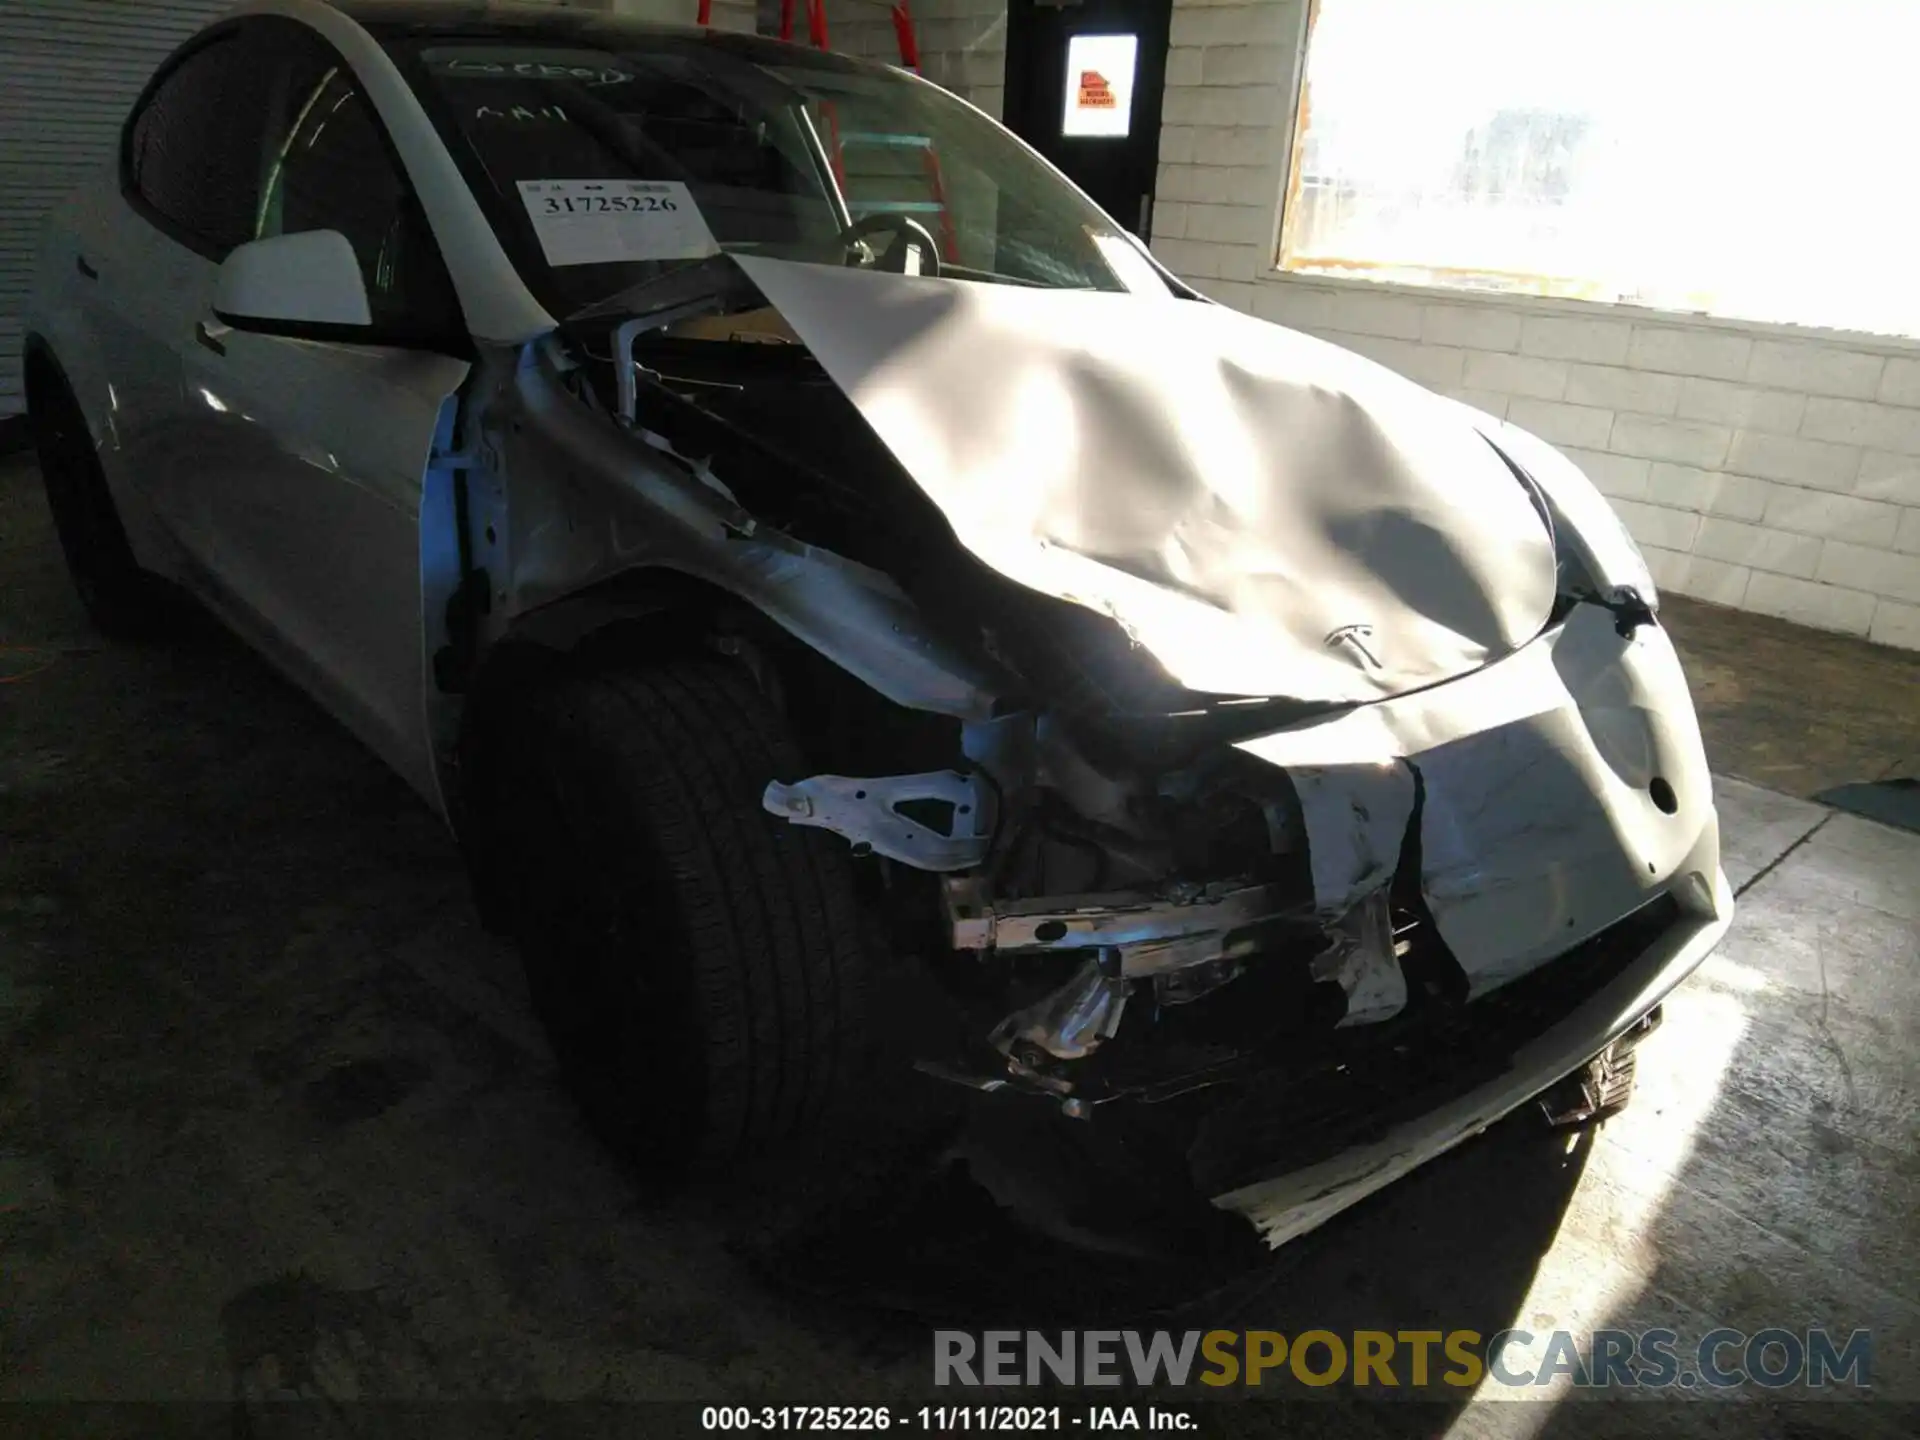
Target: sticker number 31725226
{"points": [[605, 204], [598, 222]]}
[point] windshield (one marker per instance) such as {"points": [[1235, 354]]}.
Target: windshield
{"points": [[605, 166]]}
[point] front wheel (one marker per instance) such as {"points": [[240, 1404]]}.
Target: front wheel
{"points": [[700, 965]]}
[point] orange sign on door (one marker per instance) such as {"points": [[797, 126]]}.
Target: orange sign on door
{"points": [[1095, 92]]}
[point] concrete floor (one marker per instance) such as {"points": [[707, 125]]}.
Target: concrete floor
{"points": [[274, 1118]]}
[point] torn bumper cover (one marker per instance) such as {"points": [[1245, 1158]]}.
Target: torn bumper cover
{"points": [[1294, 1197], [1569, 849], [1560, 809], [1560, 789], [1555, 792]]}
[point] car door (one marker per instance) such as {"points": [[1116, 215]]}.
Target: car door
{"points": [[312, 451], [145, 243]]}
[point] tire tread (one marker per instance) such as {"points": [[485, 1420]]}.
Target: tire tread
{"points": [[770, 923]]}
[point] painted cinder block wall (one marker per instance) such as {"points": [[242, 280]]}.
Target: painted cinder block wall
{"points": [[963, 43]]}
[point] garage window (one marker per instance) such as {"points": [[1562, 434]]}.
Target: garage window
{"points": [[1695, 155]]}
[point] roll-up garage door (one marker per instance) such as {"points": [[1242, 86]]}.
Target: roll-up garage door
{"points": [[69, 72]]}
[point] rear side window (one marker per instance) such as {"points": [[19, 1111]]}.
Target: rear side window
{"points": [[192, 148]]}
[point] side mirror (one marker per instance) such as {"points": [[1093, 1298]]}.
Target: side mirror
{"points": [[301, 285]]}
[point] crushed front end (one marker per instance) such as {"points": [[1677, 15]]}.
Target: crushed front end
{"points": [[1156, 837], [1340, 946]]}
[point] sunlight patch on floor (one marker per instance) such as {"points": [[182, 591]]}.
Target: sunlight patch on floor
{"points": [[1609, 1239]]}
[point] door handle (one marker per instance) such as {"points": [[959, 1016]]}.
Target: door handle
{"points": [[206, 337], [80, 264], [1146, 214]]}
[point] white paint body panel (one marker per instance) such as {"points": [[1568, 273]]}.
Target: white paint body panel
{"points": [[1540, 826], [311, 277], [1234, 494], [313, 518], [282, 480], [116, 334], [1539, 830]]}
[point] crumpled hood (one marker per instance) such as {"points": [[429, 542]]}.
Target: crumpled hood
{"points": [[1264, 513]]}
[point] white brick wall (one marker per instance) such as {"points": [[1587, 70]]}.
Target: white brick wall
{"points": [[1790, 501], [1761, 466], [1224, 121]]}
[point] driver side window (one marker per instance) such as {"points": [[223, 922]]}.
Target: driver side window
{"points": [[325, 165]]}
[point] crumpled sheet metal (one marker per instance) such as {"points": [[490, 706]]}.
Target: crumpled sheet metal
{"points": [[1361, 961], [1236, 495], [1356, 821], [591, 501], [1540, 824]]}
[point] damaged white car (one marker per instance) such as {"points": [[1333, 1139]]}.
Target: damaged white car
{"points": [[861, 616]]}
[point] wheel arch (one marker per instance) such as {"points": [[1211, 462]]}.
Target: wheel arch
{"points": [[38, 361], [64, 351]]}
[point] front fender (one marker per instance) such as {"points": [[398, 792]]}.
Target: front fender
{"points": [[588, 500]]}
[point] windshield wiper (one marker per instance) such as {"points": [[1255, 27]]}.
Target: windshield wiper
{"points": [[967, 272]]}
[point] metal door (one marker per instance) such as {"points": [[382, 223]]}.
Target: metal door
{"points": [[1084, 85]]}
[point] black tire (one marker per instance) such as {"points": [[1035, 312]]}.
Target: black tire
{"points": [[700, 966], [124, 601]]}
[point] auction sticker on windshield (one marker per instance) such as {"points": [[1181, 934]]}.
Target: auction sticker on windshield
{"points": [[602, 222]]}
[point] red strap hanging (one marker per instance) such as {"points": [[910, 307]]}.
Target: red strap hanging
{"points": [[909, 46], [903, 34]]}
